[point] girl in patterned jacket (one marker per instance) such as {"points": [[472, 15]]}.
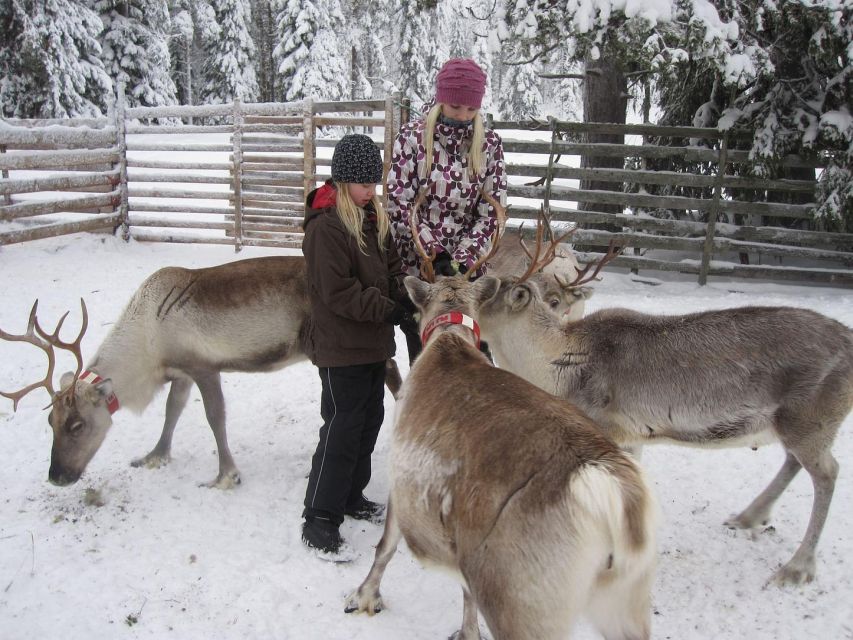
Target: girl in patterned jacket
{"points": [[451, 157]]}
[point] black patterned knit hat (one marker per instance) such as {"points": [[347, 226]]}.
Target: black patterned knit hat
{"points": [[356, 159]]}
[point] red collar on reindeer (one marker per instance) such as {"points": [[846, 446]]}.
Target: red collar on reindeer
{"points": [[90, 377], [454, 317]]}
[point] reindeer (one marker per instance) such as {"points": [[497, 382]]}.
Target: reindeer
{"points": [[511, 489], [182, 327], [743, 376]]}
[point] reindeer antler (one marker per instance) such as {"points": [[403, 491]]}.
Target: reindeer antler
{"points": [[46, 342], [500, 210], [537, 263], [581, 278], [426, 269]]}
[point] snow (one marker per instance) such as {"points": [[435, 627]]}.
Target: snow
{"points": [[163, 557]]}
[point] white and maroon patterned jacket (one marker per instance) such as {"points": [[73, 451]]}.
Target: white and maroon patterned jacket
{"points": [[454, 218]]}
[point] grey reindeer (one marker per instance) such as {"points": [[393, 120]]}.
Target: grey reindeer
{"points": [[734, 377]]}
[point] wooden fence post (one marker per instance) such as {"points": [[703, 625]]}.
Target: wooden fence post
{"points": [[390, 135], [121, 143], [309, 165], [7, 197], [549, 176], [708, 248], [237, 174]]}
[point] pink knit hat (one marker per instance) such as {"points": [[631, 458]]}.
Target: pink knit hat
{"points": [[460, 81]]}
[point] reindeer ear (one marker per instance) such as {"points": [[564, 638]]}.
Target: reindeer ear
{"points": [[105, 388], [486, 288], [584, 293], [66, 380], [418, 290], [519, 296]]}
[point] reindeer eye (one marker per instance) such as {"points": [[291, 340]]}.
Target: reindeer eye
{"points": [[75, 427], [554, 303]]}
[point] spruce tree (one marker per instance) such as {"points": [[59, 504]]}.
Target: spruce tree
{"points": [[229, 65], [50, 64]]}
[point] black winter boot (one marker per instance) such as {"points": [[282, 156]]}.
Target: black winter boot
{"points": [[364, 509], [321, 534]]}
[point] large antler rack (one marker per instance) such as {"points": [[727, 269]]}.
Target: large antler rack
{"points": [[500, 212], [46, 342]]}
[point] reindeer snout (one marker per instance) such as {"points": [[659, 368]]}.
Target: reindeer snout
{"points": [[61, 478]]}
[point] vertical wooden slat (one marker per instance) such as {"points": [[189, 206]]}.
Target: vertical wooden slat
{"points": [[308, 147], [121, 143], [712, 212], [237, 175], [7, 197], [390, 135]]}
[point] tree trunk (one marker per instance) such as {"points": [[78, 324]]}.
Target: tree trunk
{"points": [[605, 99]]}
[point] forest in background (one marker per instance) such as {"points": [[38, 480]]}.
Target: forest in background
{"points": [[781, 68]]}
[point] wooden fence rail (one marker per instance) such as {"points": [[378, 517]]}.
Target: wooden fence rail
{"points": [[238, 173]]}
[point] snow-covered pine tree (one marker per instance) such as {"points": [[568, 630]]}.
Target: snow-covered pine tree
{"points": [[312, 57], [369, 23], [136, 51], [181, 49], [229, 65], [419, 51], [263, 35], [522, 99], [50, 64]]}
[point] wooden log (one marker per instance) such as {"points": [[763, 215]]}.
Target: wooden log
{"points": [[58, 137], [775, 209], [54, 159], [674, 178], [623, 129], [146, 163], [52, 230], [137, 145], [348, 121], [172, 223], [348, 105], [179, 178], [63, 183], [213, 110], [39, 208], [147, 192], [182, 129], [289, 193], [166, 236], [285, 120], [155, 207], [283, 147]]}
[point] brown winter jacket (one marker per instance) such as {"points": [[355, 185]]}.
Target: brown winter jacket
{"points": [[351, 293]]}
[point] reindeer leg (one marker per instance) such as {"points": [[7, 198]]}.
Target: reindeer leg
{"points": [[758, 512], [366, 598], [179, 392], [393, 379], [214, 406], [801, 567], [470, 627]]}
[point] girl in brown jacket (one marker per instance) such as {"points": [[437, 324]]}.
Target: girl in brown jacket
{"points": [[355, 287]]}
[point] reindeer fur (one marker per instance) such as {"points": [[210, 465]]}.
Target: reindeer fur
{"points": [[743, 376], [513, 491]]}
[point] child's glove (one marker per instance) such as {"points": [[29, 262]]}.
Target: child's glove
{"points": [[397, 315], [443, 266]]}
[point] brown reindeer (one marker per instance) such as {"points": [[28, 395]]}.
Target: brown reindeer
{"points": [[733, 377], [181, 327], [511, 489]]}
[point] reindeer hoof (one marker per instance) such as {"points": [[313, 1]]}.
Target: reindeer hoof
{"points": [[357, 603], [224, 481], [793, 575], [152, 461]]}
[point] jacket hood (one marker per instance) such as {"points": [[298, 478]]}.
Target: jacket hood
{"points": [[318, 200]]}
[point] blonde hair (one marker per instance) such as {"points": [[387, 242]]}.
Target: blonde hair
{"points": [[353, 217], [476, 158]]}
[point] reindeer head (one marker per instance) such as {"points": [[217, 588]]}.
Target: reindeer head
{"points": [[79, 412], [80, 418]]}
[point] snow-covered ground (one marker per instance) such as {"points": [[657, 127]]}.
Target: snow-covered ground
{"points": [[164, 558]]}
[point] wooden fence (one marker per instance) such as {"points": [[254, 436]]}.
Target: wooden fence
{"points": [[237, 174]]}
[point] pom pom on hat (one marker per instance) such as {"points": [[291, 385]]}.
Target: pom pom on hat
{"points": [[356, 159], [460, 82]]}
